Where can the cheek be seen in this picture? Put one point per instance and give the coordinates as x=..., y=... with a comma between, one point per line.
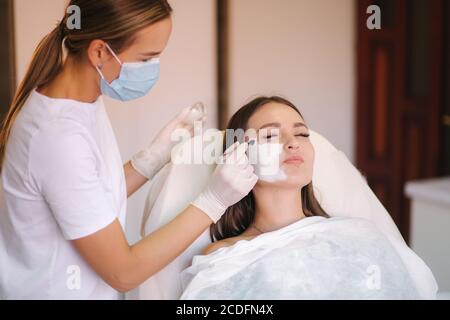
x=309, y=155
x=111, y=70
x=308, y=152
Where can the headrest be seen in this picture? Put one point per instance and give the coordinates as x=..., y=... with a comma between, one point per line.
x=338, y=185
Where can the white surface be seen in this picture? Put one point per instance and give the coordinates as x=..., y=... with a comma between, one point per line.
x=433, y=190
x=303, y=50
x=430, y=225
x=339, y=187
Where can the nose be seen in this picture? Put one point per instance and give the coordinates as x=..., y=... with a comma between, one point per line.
x=292, y=144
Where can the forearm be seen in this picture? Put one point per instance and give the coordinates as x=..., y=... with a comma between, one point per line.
x=158, y=249
x=134, y=180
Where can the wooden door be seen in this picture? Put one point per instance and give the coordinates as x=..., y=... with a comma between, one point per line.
x=7, y=61
x=446, y=116
x=400, y=98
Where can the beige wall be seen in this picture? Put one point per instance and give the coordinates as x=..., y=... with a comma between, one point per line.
x=188, y=75
x=32, y=21
x=303, y=50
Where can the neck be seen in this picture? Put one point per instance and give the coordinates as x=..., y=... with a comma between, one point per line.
x=276, y=207
x=76, y=81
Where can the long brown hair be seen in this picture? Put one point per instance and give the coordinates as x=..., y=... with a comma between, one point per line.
x=114, y=21
x=240, y=216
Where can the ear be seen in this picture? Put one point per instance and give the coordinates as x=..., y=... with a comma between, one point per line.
x=97, y=53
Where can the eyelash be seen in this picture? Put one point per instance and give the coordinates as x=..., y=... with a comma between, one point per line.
x=305, y=135
x=148, y=59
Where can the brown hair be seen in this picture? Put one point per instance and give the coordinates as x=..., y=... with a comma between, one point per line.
x=114, y=21
x=239, y=216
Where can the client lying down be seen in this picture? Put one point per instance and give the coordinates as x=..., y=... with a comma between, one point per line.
x=278, y=242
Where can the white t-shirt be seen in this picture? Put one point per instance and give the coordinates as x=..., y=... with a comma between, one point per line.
x=62, y=180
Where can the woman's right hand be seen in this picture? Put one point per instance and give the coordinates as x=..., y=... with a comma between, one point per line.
x=232, y=180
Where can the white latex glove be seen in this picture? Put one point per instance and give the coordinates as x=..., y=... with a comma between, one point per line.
x=232, y=180
x=149, y=161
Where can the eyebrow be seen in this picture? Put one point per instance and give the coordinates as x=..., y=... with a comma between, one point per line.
x=278, y=125
x=300, y=124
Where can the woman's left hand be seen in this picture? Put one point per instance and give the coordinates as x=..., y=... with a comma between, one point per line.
x=149, y=161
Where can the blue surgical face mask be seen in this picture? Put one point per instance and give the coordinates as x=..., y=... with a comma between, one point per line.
x=135, y=81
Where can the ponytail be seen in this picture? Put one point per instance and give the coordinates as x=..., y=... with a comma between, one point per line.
x=45, y=65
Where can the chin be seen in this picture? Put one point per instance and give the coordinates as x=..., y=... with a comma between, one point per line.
x=292, y=181
x=296, y=182
x=298, y=176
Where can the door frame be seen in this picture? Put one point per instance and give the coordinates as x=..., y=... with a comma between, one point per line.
x=7, y=54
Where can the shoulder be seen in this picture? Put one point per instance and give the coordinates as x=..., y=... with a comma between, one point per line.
x=224, y=243
x=44, y=113
x=62, y=127
x=217, y=245
x=64, y=140
x=61, y=134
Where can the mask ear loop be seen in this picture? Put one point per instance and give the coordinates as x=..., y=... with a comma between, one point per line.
x=99, y=70
x=100, y=66
x=114, y=54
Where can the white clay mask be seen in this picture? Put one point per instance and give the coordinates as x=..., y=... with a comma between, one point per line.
x=265, y=158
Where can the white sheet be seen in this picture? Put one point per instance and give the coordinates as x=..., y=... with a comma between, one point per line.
x=314, y=258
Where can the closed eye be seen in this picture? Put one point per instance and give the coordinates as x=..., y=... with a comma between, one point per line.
x=306, y=135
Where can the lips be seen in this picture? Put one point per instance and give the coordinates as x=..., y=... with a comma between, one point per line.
x=294, y=160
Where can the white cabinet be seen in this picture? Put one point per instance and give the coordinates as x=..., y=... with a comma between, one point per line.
x=430, y=226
